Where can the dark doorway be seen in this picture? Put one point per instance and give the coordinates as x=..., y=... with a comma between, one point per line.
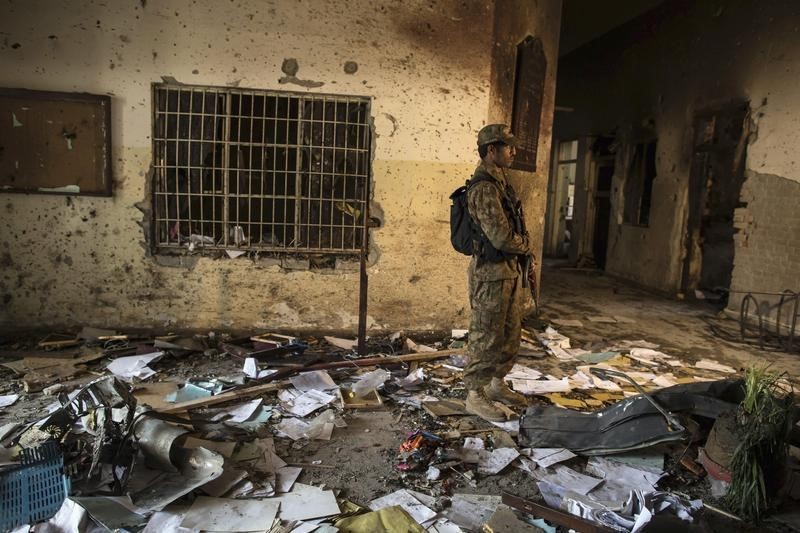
x=602, y=214
x=715, y=182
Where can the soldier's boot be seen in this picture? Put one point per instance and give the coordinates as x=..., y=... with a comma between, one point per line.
x=478, y=404
x=499, y=391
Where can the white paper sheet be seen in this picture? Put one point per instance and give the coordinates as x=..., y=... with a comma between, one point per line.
x=541, y=386
x=318, y=380
x=286, y=476
x=620, y=479
x=568, y=479
x=239, y=413
x=523, y=372
x=512, y=426
x=404, y=499
x=546, y=457
x=8, y=399
x=167, y=522
x=223, y=514
x=492, y=463
x=134, y=366
x=470, y=451
x=308, y=402
x=306, y=502
x=251, y=370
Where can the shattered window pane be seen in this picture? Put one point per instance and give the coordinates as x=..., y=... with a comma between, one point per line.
x=259, y=170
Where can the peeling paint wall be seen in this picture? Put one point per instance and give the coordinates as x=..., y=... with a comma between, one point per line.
x=679, y=59
x=82, y=261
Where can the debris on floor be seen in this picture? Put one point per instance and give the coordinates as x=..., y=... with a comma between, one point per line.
x=271, y=432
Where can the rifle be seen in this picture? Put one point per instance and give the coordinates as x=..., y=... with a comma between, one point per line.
x=527, y=263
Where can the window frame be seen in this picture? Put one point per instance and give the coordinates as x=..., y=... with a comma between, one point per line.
x=304, y=146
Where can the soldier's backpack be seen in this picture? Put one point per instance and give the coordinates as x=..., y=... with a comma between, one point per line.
x=463, y=231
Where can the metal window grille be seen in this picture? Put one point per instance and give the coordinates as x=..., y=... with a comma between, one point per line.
x=259, y=170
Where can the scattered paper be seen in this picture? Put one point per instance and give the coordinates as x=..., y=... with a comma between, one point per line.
x=708, y=364
x=223, y=514
x=165, y=521
x=239, y=413
x=308, y=402
x=620, y=479
x=459, y=333
x=511, y=426
x=286, y=476
x=494, y=462
x=188, y=392
x=318, y=380
x=471, y=511
x=541, y=386
x=8, y=399
x=134, y=366
x=252, y=371
x=306, y=502
x=665, y=380
x=523, y=372
x=568, y=479
x=546, y=457
x=470, y=451
x=412, y=506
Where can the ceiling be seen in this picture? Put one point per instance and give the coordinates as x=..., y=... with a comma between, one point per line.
x=585, y=20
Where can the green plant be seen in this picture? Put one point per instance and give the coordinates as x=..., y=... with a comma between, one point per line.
x=763, y=419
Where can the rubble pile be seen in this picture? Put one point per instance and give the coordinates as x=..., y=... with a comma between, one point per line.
x=215, y=433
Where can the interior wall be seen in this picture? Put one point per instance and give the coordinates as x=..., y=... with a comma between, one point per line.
x=76, y=260
x=662, y=68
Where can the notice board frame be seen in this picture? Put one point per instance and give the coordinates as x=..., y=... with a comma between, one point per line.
x=49, y=157
x=526, y=114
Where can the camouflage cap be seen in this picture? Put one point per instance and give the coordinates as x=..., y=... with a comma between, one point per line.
x=496, y=133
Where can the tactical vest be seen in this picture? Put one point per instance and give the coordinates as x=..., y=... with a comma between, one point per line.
x=486, y=252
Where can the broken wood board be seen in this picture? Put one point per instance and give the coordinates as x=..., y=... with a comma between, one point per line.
x=51, y=368
x=153, y=394
x=445, y=408
x=370, y=401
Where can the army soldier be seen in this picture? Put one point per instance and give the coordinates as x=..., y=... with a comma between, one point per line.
x=495, y=277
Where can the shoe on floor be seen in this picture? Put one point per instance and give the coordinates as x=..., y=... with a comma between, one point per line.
x=499, y=391
x=478, y=404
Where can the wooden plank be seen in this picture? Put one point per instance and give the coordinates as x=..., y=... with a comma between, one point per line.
x=235, y=394
x=268, y=383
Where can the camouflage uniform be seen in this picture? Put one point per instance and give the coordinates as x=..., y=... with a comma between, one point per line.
x=495, y=288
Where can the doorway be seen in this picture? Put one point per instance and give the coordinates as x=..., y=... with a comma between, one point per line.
x=715, y=183
x=561, y=199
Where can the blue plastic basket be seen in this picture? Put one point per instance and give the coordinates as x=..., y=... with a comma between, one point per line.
x=35, y=490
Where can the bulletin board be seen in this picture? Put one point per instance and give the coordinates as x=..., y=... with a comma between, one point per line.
x=55, y=143
x=528, y=97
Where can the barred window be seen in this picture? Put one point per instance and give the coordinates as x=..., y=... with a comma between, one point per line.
x=270, y=171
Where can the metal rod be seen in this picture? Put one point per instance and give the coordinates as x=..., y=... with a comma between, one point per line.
x=363, y=278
